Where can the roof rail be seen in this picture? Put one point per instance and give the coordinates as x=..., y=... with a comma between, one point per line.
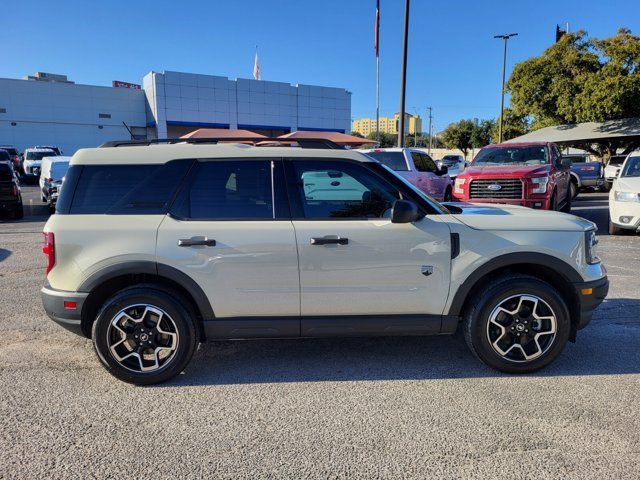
x=321, y=143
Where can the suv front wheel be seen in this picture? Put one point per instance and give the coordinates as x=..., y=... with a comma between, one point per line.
x=145, y=334
x=518, y=324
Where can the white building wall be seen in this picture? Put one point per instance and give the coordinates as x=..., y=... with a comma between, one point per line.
x=66, y=115
x=188, y=99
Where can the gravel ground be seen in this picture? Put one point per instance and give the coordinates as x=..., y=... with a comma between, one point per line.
x=381, y=407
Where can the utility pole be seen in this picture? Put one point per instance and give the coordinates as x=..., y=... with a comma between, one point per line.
x=506, y=38
x=403, y=76
x=430, y=137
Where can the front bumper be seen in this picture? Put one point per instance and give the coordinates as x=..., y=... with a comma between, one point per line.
x=630, y=210
x=53, y=302
x=590, y=296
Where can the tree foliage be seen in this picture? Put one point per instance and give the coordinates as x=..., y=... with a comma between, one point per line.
x=387, y=140
x=467, y=134
x=513, y=126
x=580, y=79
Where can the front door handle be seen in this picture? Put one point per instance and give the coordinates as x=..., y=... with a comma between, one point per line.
x=192, y=242
x=333, y=240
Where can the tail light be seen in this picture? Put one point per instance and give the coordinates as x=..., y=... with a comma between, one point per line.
x=49, y=249
x=49, y=179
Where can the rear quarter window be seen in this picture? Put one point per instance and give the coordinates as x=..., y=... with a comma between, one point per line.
x=121, y=189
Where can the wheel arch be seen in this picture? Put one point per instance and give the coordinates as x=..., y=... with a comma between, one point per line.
x=575, y=178
x=104, y=283
x=552, y=270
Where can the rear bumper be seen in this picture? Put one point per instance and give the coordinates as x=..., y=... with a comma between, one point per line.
x=53, y=302
x=588, y=302
x=592, y=182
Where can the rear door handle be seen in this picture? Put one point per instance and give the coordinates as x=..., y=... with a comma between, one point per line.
x=192, y=242
x=333, y=240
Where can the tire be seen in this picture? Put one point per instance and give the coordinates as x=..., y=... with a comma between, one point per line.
x=607, y=186
x=552, y=203
x=573, y=189
x=481, y=334
x=52, y=208
x=614, y=229
x=18, y=213
x=175, y=340
x=447, y=195
x=566, y=207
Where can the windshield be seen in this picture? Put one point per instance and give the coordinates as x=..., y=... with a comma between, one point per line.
x=59, y=170
x=4, y=155
x=617, y=160
x=436, y=206
x=393, y=160
x=533, y=155
x=40, y=155
x=10, y=151
x=631, y=168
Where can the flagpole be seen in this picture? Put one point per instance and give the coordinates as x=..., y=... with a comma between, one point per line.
x=377, y=50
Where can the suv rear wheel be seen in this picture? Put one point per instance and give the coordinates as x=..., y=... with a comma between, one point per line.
x=518, y=324
x=145, y=334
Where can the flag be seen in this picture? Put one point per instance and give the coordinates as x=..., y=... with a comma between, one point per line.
x=376, y=32
x=256, y=68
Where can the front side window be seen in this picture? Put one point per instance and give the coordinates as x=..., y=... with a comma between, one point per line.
x=337, y=189
x=227, y=190
x=423, y=162
x=631, y=168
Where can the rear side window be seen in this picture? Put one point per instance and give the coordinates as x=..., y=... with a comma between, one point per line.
x=228, y=190
x=423, y=162
x=125, y=189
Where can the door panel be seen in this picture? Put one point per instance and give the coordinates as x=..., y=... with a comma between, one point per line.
x=379, y=271
x=251, y=271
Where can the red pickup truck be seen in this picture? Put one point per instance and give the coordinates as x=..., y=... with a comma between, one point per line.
x=531, y=174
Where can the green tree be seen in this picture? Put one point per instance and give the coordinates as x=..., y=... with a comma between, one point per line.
x=357, y=134
x=387, y=140
x=513, y=126
x=459, y=135
x=579, y=79
x=482, y=131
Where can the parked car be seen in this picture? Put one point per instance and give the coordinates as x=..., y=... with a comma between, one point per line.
x=531, y=174
x=154, y=249
x=5, y=158
x=585, y=173
x=53, y=171
x=10, y=195
x=14, y=154
x=455, y=164
x=612, y=170
x=32, y=162
x=624, y=198
x=418, y=168
x=50, y=147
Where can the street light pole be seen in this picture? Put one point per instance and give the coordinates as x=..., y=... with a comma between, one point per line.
x=430, y=117
x=504, y=37
x=403, y=76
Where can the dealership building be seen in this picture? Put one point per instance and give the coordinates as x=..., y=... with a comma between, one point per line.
x=49, y=109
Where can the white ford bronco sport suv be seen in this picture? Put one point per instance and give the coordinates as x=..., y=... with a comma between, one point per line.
x=159, y=245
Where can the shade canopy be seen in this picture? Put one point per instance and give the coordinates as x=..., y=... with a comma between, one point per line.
x=335, y=137
x=222, y=133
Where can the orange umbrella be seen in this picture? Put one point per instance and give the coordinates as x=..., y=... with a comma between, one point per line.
x=335, y=137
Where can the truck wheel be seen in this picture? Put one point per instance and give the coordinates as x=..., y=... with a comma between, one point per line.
x=145, y=334
x=607, y=186
x=18, y=213
x=518, y=324
x=573, y=187
x=447, y=195
x=566, y=207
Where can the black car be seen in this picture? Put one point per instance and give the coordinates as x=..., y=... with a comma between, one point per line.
x=14, y=154
x=10, y=197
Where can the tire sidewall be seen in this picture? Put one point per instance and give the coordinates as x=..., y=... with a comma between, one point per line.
x=187, y=334
x=502, y=291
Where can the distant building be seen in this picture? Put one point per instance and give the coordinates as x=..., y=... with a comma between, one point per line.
x=365, y=126
x=49, y=109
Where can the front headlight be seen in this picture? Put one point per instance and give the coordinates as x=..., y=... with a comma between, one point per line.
x=539, y=184
x=626, y=196
x=590, y=242
x=457, y=188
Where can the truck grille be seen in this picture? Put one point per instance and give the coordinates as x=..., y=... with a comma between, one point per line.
x=509, y=188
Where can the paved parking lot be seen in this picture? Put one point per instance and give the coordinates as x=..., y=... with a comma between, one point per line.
x=381, y=407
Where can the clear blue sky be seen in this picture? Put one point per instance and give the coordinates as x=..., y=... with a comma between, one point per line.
x=454, y=62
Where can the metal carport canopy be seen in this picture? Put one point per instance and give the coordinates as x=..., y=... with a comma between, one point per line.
x=625, y=128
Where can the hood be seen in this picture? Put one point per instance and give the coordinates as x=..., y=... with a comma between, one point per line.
x=506, y=170
x=628, y=184
x=481, y=216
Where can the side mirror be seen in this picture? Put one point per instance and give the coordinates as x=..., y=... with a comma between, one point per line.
x=443, y=170
x=404, y=211
x=565, y=162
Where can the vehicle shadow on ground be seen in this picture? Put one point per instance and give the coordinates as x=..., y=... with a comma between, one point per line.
x=608, y=346
x=4, y=254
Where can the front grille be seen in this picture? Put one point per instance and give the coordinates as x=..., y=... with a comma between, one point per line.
x=509, y=188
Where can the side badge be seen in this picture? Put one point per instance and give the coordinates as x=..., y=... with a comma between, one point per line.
x=427, y=270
